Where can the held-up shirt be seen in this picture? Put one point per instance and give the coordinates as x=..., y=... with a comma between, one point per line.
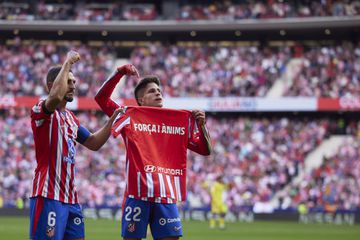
x=197, y=141
x=156, y=141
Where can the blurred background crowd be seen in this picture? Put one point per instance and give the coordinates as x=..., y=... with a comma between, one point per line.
x=180, y=10
x=217, y=71
x=261, y=156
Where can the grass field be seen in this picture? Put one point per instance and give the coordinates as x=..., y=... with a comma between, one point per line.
x=17, y=228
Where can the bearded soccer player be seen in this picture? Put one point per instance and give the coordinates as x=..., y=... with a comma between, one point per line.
x=156, y=141
x=54, y=209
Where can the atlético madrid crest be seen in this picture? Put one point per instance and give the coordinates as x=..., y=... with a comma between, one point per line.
x=50, y=231
x=131, y=227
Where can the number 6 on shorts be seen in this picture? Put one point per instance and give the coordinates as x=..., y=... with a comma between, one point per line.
x=51, y=219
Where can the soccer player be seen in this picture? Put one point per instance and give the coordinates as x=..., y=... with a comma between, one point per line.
x=54, y=209
x=218, y=206
x=156, y=142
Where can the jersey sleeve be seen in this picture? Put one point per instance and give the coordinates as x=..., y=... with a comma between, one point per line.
x=121, y=120
x=199, y=138
x=103, y=96
x=39, y=112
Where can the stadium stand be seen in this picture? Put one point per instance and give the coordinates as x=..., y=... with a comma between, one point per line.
x=24, y=65
x=184, y=10
x=262, y=151
x=217, y=71
x=333, y=185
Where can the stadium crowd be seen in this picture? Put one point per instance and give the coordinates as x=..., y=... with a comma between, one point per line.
x=235, y=10
x=217, y=71
x=24, y=65
x=77, y=11
x=327, y=71
x=260, y=156
x=331, y=71
x=334, y=185
x=183, y=10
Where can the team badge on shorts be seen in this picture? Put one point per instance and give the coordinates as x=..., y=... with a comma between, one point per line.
x=131, y=227
x=50, y=231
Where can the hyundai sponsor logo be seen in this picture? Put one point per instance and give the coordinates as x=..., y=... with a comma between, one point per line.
x=149, y=168
x=158, y=169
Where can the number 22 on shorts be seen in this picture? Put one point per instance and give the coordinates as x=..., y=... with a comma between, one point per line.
x=132, y=214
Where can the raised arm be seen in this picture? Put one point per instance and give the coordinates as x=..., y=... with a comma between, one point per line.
x=200, y=138
x=58, y=88
x=103, y=96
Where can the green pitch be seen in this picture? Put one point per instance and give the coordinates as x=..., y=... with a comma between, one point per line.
x=17, y=228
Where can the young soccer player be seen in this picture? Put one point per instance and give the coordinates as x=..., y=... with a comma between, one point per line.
x=156, y=141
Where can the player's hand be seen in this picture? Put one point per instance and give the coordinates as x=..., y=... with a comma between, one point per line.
x=128, y=69
x=116, y=113
x=72, y=57
x=199, y=116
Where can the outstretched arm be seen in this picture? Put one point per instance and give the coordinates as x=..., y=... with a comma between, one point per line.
x=102, y=97
x=200, y=138
x=59, y=87
x=96, y=140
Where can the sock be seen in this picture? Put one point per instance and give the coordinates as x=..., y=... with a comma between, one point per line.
x=222, y=222
x=212, y=223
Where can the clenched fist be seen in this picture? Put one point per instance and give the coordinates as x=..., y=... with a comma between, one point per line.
x=128, y=69
x=72, y=57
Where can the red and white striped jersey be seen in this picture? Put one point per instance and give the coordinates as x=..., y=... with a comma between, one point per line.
x=156, y=162
x=156, y=141
x=54, y=136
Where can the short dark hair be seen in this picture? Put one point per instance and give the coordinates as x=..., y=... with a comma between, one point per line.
x=52, y=73
x=143, y=83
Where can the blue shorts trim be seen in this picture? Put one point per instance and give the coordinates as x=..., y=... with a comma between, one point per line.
x=51, y=219
x=164, y=219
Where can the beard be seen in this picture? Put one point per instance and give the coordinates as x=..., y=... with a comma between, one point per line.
x=68, y=99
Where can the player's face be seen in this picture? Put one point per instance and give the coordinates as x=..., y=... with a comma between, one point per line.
x=69, y=96
x=152, y=96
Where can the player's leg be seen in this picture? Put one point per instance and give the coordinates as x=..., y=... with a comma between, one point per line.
x=222, y=221
x=222, y=216
x=135, y=219
x=212, y=221
x=47, y=219
x=214, y=216
x=148, y=232
x=75, y=227
x=165, y=222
